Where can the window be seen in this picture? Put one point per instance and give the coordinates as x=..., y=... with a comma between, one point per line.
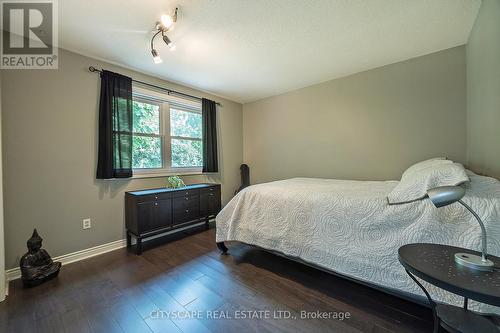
x=185, y=134
x=166, y=134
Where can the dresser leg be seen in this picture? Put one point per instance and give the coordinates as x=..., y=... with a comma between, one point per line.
x=138, y=246
x=129, y=240
x=207, y=223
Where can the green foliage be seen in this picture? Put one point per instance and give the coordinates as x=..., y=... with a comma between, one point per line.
x=146, y=152
x=185, y=124
x=147, y=149
x=146, y=118
x=186, y=153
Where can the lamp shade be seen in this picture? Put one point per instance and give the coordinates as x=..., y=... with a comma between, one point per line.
x=445, y=195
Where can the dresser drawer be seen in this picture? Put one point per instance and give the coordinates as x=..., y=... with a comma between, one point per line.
x=186, y=193
x=187, y=199
x=154, y=197
x=183, y=203
x=185, y=209
x=210, y=189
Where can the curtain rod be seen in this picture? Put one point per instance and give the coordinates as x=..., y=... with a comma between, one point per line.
x=169, y=91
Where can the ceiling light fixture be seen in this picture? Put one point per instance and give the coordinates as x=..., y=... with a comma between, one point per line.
x=166, y=23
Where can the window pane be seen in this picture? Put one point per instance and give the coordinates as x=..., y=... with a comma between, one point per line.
x=186, y=153
x=186, y=124
x=146, y=152
x=146, y=118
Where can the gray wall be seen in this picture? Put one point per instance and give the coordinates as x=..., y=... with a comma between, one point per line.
x=483, y=91
x=371, y=125
x=49, y=152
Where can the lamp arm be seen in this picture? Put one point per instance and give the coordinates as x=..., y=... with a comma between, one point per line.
x=484, y=253
x=153, y=38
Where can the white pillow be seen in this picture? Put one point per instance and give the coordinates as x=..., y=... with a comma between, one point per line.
x=425, y=164
x=415, y=184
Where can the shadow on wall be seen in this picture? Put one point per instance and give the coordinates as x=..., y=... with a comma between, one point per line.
x=111, y=188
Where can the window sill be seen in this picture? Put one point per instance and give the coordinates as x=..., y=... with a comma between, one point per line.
x=143, y=174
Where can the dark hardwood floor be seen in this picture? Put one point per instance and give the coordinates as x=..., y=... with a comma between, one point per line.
x=187, y=277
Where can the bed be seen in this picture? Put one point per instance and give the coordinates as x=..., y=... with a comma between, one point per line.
x=349, y=228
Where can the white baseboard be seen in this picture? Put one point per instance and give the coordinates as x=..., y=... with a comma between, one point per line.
x=15, y=273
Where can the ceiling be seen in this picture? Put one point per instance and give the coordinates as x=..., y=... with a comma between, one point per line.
x=246, y=50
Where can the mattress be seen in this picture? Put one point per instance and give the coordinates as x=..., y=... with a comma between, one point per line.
x=348, y=227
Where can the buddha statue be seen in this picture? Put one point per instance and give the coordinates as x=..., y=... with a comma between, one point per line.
x=36, y=265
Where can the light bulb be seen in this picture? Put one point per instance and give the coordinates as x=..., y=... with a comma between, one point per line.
x=157, y=60
x=156, y=57
x=167, y=21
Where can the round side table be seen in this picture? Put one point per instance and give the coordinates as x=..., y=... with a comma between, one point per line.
x=436, y=265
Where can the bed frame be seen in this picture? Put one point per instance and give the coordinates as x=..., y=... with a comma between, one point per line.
x=421, y=300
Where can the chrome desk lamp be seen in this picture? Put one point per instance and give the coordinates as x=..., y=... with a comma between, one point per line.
x=446, y=195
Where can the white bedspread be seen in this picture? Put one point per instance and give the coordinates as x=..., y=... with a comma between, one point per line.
x=348, y=226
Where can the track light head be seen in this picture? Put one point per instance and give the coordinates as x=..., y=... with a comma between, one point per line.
x=156, y=57
x=167, y=40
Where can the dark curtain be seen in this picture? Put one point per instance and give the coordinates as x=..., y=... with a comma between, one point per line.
x=209, y=130
x=115, y=127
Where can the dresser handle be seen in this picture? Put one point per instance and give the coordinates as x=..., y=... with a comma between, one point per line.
x=187, y=210
x=156, y=197
x=211, y=194
x=156, y=204
x=187, y=198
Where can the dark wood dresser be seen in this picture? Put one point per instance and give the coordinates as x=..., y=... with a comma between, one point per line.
x=152, y=212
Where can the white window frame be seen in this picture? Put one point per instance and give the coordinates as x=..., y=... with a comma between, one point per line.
x=164, y=100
